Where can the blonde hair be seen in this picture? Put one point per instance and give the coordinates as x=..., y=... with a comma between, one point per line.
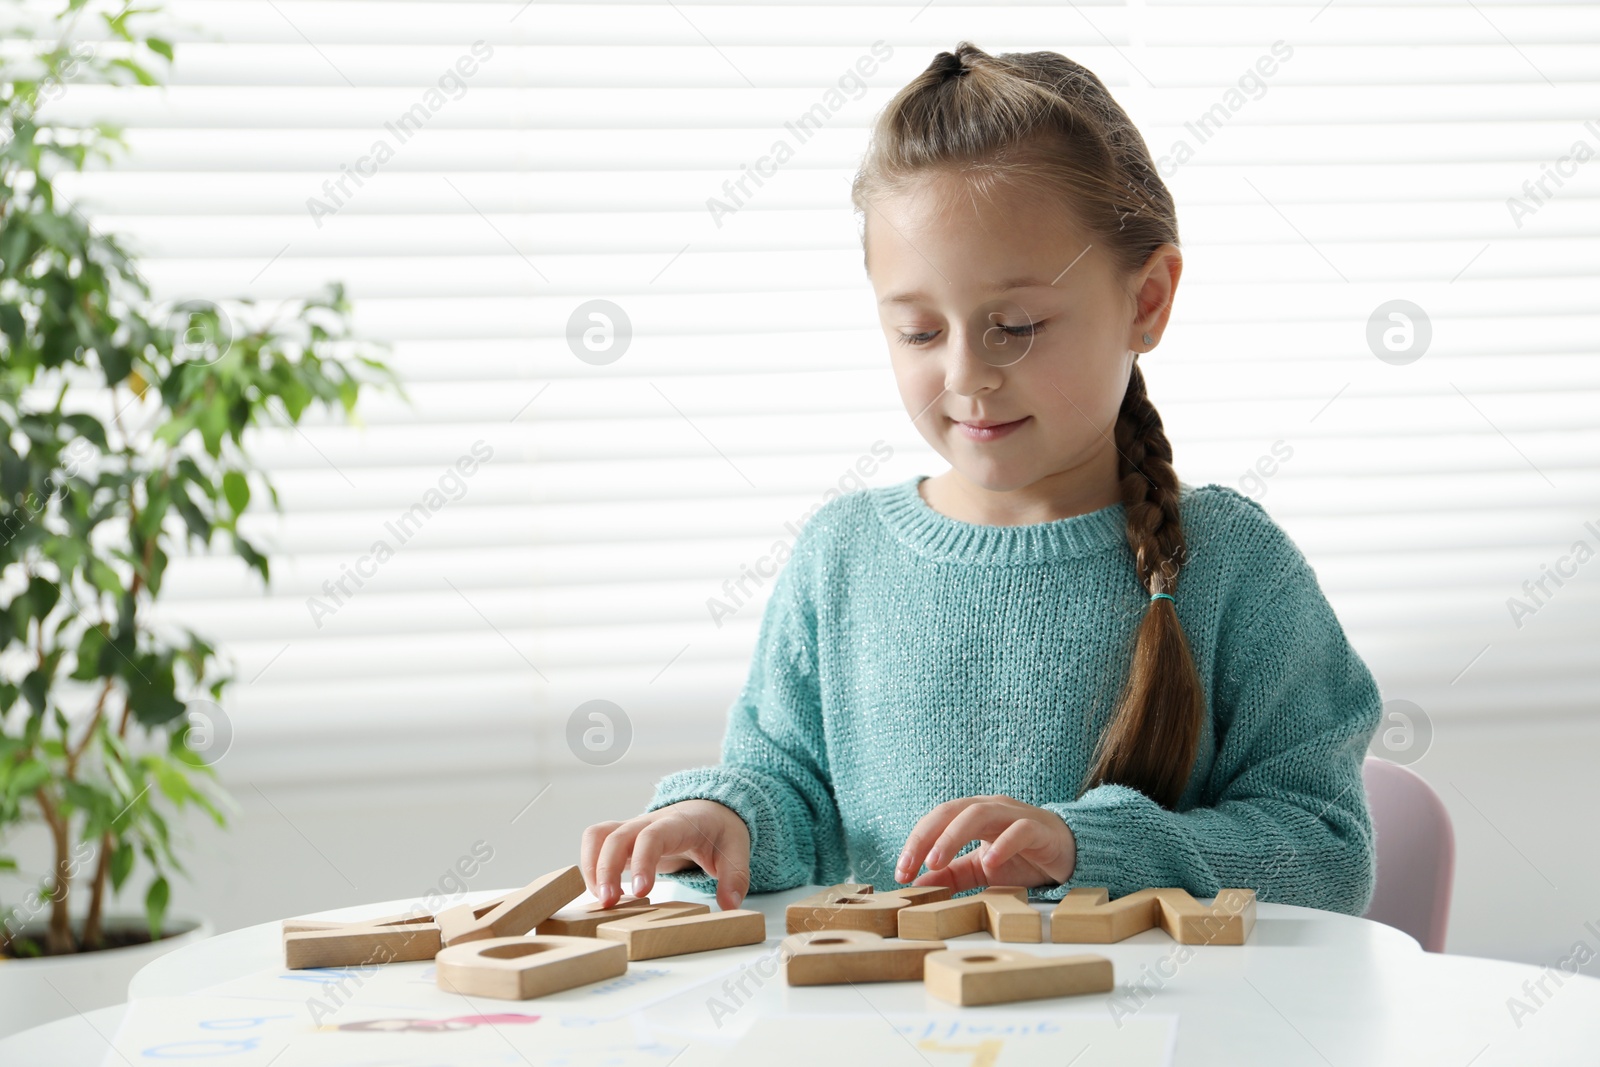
x=1040, y=123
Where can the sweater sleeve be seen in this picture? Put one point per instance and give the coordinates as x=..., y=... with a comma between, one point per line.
x=1286, y=809
x=774, y=771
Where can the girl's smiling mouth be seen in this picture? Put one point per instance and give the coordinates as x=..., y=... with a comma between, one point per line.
x=986, y=430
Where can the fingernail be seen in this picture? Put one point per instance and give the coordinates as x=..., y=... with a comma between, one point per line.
x=638, y=885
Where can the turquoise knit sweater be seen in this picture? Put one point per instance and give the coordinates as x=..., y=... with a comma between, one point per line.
x=906, y=658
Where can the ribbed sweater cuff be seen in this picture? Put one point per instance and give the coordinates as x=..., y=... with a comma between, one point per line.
x=1100, y=824
x=738, y=790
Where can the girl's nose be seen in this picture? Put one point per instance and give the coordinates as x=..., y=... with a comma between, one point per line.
x=972, y=365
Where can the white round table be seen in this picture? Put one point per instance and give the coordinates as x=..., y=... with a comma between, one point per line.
x=1310, y=987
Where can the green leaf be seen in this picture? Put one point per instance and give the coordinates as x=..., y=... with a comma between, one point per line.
x=159, y=47
x=27, y=777
x=104, y=578
x=153, y=704
x=89, y=428
x=121, y=864
x=237, y=490
x=35, y=690
x=252, y=558
x=193, y=518
x=90, y=648
x=13, y=325
x=144, y=77
x=213, y=422
x=43, y=595
x=158, y=567
x=173, y=784
x=155, y=906
x=115, y=362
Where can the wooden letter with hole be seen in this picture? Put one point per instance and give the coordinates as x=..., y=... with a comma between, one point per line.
x=1003, y=910
x=834, y=957
x=514, y=914
x=677, y=927
x=1087, y=916
x=1000, y=975
x=854, y=906
x=392, y=939
x=517, y=968
x=582, y=922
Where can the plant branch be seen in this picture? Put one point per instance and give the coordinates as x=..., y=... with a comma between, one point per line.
x=92, y=936
x=58, y=940
x=74, y=755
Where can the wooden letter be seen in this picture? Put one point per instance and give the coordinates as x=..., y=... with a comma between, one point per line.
x=832, y=957
x=854, y=906
x=1228, y=920
x=396, y=939
x=677, y=927
x=1003, y=910
x=515, y=913
x=582, y=922
x=300, y=926
x=1085, y=915
x=998, y=976
x=517, y=968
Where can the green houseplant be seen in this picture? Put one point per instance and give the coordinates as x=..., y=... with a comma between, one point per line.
x=122, y=444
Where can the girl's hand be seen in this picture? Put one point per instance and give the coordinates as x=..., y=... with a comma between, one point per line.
x=685, y=834
x=1019, y=844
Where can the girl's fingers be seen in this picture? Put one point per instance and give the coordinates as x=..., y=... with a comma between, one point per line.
x=1014, y=839
x=681, y=835
x=733, y=882
x=593, y=837
x=926, y=831
x=649, y=844
x=614, y=858
x=963, y=873
x=981, y=820
x=722, y=856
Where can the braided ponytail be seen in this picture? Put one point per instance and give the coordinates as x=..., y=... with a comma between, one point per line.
x=1151, y=739
x=1040, y=121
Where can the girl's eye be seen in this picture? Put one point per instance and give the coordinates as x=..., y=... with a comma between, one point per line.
x=1026, y=330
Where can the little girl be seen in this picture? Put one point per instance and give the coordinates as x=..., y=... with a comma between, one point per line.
x=1056, y=651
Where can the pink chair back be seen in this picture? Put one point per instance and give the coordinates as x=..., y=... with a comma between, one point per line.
x=1416, y=848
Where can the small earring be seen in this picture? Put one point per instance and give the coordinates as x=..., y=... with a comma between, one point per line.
x=1149, y=340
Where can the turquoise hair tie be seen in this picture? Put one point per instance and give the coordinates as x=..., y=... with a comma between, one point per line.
x=1169, y=596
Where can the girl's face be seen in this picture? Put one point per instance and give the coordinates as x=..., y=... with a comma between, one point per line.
x=1010, y=337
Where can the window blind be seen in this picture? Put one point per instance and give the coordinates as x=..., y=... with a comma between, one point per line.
x=479, y=173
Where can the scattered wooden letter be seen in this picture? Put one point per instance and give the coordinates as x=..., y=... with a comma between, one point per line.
x=832, y=957
x=514, y=914
x=582, y=922
x=393, y=939
x=517, y=968
x=854, y=906
x=677, y=927
x=1003, y=910
x=1086, y=915
x=998, y=976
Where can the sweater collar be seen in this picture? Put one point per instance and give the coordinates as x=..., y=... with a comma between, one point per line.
x=939, y=537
